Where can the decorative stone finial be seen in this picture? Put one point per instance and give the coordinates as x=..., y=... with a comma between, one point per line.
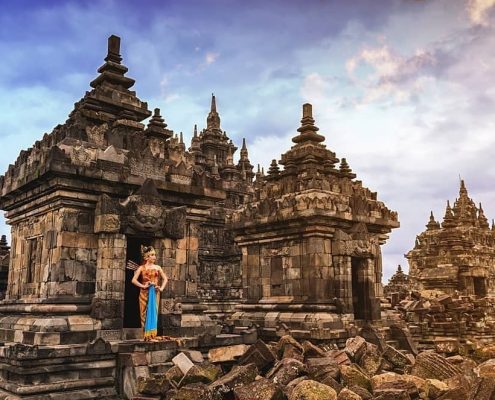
x=213, y=119
x=482, y=220
x=432, y=223
x=308, y=129
x=156, y=126
x=244, y=152
x=274, y=169
x=213, y=107
x=113, y=53
x=345, y=170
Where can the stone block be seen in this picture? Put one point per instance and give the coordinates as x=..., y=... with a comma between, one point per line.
x=194, y=355
x=259, y=389
x=259, y=354
x=228, y=353
x=180, y=256
x=183, y=362
x=308, y=389
x=133, y=359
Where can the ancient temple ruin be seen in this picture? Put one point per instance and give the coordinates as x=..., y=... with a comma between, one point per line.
x=458, y=254
x=310, y=242
x=83, y=199
x=297, y=250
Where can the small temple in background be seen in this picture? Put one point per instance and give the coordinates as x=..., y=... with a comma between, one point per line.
x=458, y=254
x=398, y=287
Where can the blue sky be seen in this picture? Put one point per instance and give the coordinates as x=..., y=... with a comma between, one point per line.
x=405, y=90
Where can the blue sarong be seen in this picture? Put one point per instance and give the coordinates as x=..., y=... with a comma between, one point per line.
x=151, y=322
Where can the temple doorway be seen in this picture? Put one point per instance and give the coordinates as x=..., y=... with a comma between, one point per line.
x=361, y=301
x=131, y=294
x=479, y=286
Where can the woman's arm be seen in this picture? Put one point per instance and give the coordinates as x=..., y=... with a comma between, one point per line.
x=164, y=279
x=135, y=278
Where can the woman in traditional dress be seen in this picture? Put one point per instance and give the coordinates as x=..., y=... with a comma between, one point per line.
x=149, y=296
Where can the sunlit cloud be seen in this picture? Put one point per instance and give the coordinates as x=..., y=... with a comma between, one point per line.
x=479, y=11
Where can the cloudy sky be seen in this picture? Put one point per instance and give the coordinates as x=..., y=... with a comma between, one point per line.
x=404, y=89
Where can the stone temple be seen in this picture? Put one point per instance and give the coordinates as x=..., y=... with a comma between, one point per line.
x=457, y=255
x=296, y=250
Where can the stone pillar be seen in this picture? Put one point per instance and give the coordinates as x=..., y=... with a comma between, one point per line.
x=343, y=282
x=108, y=302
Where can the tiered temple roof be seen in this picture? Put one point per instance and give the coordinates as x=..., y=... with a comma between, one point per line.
x=457, y=254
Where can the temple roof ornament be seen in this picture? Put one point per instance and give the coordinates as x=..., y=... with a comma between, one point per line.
x=213, y=119
x=156, y=126
x=345, y=170
x=308, y=129
x=432, y=223
x=448, y=219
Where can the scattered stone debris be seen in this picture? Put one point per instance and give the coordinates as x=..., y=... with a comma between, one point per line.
x=289, y=370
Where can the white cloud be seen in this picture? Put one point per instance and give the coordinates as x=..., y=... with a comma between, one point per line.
x=385, y=75
x=478, y=11
x=314, y=87
x=210, y=58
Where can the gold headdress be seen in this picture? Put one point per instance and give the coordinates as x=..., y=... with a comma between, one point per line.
x=145, y=250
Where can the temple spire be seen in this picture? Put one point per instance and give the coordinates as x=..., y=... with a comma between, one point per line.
x=432, y=223
x=448, y=219
x=113, y=52
x=308, y=129
x=274, y=170
x=345, y=170
x=156, y=126
x=213, y=107
x=112, y=71
x=244, y=151
x=482, y=220
x=213, y=119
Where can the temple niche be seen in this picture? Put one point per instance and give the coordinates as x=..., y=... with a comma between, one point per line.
x=310, y=242
x=457, y=255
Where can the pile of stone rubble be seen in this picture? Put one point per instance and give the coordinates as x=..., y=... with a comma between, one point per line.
x=289, y=370
x=449, y=321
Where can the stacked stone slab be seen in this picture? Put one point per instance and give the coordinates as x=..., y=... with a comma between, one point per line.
x=457, y=255
x=310, y=243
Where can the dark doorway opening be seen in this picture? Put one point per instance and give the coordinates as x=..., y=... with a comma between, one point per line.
x=276, y=277
x=479, y=285
x=361, y=301
x=131, y=294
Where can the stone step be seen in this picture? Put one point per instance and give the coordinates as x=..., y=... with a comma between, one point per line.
x=132, y=333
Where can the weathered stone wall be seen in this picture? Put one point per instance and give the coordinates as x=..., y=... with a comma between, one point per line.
x=179, y=259
x=301, y=269
x=53, y=256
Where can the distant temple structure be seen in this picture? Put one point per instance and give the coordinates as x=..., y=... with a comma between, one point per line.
x=458, y=254
x=310, y=242
x=297, y=249
x=398, y=286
